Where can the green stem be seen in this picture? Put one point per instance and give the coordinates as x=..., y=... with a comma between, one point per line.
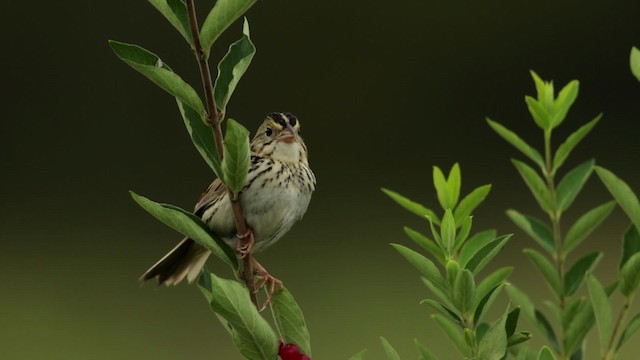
x=611, y=348
x=213, y=119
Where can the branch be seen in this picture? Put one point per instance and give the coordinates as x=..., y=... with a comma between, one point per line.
x=245, y=235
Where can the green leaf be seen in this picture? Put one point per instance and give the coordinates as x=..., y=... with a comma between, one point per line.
x=470, y=203
x=630, y=244
x=444, y=310
x=189, y=225
x=290, y=320
x=533, y=316
x=513, y=139
x=518, y=338
x=578, y=327
x=150, y=65
x=359, y=356
x=632, y=328
x=491, y=281
x=425, y=243
x=586, y=224
x=486, y=253
x=546, y=354
x=574, y=139
x=575, y=275
x=535, y=228
x=453, y=333
x=572, y=183
x=425, y=354
x=232, y=66
x=464, y=291
x=202, y=137
x=538, y=112
x=452, y=268
x=223, y=14
x=602, y=310
x=424, y=265
x=392, y=354
x=493, y=345
x=237, y=153
x=535, y=184
x=563, y=102
x=442, y=190
x=176, y=12
x=477, y=242
x=454, y=182
x=464, y=233
x=630, y=275
x=412, y=206
x=448, y=232
x=547, y=270
x=251, y=333
x=441, y=292
x=622, y=193
x=634, y=61
x=512, y=322
x=486, y=301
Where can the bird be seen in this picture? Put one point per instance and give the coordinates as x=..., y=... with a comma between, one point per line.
x=276, y=195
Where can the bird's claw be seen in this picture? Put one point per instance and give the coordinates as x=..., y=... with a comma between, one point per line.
x=245, y=243
x=266, y=278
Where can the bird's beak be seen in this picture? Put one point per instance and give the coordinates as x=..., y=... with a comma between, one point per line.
x=287, y=135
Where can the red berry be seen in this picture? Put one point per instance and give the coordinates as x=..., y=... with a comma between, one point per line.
x=304, y=357
x=289, y=352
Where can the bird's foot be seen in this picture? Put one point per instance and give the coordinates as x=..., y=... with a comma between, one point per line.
x=245, y=243
x=266, y=278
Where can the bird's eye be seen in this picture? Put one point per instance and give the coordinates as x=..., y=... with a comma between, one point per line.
x=269, y=131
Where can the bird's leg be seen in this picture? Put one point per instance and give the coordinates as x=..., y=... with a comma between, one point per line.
x=266, y=278
x=245, y=243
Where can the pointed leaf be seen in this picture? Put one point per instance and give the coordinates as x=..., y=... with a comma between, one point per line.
x=578, y=327
x=575, y=275
x=572, y=183
x=150, y=65
x=533, y=316
x=535, y=184
x=563, y=102
x=491, y=281
x=425, y=243
x=189, y=225
x=586, y=224
x=453, y=332
x=546, y=354
x=442, y=189
x=630, y=244
x=512, y=322
x=622, y=193
x=359, y=356
x=223, y=14
x=202, y=137
x=602, y=310
x=290, y=321
x=392, y=354
x=538, y=112
x=470, y=203
x=235, y=164
x=176, y=12
x=412, y=206
x=574, y=139
x=485, y=302
x=444, y=310
x=251, y=333
x=426, y=266
x=464, y=291
x=518, y=338
x=493, y=345
x=535, y=228
x=632, y=327
x=463, y=234
x=634, y=61
x=425, y=354
x=547, y=270
x=448, y=232
x=232, y=66
x=486, y=254
x=441, y=292
x=454, y=182
x=630, y=275
x=513, y=139
x=477, y=242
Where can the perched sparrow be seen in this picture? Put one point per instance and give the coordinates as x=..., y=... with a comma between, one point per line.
x=276, y=195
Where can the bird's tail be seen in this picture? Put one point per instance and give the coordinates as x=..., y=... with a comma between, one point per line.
x=185, y=260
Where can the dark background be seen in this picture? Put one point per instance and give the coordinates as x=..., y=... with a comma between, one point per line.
x=385, y=90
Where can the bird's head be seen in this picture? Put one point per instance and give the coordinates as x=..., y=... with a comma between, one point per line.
x=279, y=138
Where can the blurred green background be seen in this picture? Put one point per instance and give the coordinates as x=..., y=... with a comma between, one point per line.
x=385, y=90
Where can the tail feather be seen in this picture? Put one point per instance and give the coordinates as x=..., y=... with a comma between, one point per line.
x=186, y=260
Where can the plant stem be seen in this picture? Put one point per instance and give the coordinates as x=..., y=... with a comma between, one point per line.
x=611, y=353
x=213, y=119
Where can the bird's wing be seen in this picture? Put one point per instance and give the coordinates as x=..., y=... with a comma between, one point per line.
x=213, y=192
